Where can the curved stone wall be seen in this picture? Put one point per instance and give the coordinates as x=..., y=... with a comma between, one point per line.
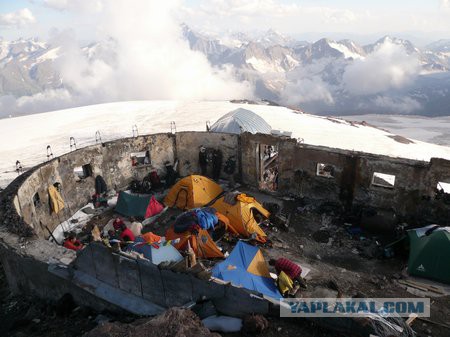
x=35, y=265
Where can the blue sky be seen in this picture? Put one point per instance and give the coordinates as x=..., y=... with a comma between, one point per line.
x=424, y=19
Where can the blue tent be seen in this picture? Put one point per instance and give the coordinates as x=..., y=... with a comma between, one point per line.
x=157, y=252
x=246, y=267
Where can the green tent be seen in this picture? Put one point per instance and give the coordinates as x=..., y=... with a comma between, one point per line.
x=129, y=204
x=429, y=255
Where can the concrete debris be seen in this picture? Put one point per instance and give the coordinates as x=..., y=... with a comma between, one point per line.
x=175, y=322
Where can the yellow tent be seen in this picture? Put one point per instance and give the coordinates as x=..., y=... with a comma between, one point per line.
x=241, y=215
x=191, y=192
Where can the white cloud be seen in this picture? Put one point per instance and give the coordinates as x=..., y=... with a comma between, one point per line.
x=43, y=101
x=445, y=4
x=18, y=18
x=304, y=90
x=401, y=105
x=271, y=8
x=263, y=14
x=78, y=5
x=388, y=67
x=305, y=85
x=148, y=59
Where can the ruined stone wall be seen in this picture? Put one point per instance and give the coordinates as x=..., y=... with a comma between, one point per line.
x=412, y=195
x=28, y=262
x=188, y=145
x=111, y=160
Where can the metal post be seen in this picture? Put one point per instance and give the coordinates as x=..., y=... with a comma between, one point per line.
x=134, y=129
x=98, y=137
x=73, y=143
x=19, y=168
x=173, y=127
x=49, y=153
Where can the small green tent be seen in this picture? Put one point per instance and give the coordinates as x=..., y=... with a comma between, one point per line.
x=131, y=204
x=429, y=255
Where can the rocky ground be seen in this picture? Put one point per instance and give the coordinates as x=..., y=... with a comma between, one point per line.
x=341, y=263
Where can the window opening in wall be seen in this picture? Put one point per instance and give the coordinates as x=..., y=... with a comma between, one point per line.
x=57, y=185
x=82, y=172
x=36, y=200
x=443, y=191
x=325, y=170
x=268, y=166
x=443, y=187
x=383, y=180
x=140, y=158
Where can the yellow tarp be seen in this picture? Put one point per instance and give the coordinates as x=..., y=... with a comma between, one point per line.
x=285, y=284
x=241, y=216
x=56, y=201
x=191, y=192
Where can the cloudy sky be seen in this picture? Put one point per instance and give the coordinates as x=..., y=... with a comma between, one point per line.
x=307, y=19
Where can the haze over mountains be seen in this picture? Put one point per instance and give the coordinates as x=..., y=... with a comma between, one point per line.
x=389, y=76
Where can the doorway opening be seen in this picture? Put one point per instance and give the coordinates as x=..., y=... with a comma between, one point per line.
x=267, y=163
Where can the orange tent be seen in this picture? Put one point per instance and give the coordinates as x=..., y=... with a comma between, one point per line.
x=228, y=227
x=201, y=243
x=192, y=191
x=241, y=215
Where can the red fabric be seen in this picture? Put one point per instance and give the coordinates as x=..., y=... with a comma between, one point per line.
x=153, y=208
x=76, y=245
x=127, y=235
x=118, y=223
x=290, y=268
x=150, y=237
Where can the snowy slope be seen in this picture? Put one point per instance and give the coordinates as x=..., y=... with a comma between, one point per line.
x=26, y=138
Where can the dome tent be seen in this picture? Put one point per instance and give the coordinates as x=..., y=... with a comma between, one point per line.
x=192, y=191
x=429, y=254
x=239, y=121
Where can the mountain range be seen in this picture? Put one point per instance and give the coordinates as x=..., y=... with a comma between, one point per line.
x=389, y=76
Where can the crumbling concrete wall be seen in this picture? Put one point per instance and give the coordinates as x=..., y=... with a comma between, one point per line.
x=413, y=194
x=188, y=146
x=111, y=160
x=104, y=280
x=250, y=155
x=28, y=264
x=163, y=287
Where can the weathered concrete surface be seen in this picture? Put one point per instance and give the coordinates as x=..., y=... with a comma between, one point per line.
x=188, y=146
x=98, y=269
x=111, y=160
x=351, y=186
x=413, y=195
x=27, y=261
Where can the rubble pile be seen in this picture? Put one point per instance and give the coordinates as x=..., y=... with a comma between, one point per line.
x=175, y=322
